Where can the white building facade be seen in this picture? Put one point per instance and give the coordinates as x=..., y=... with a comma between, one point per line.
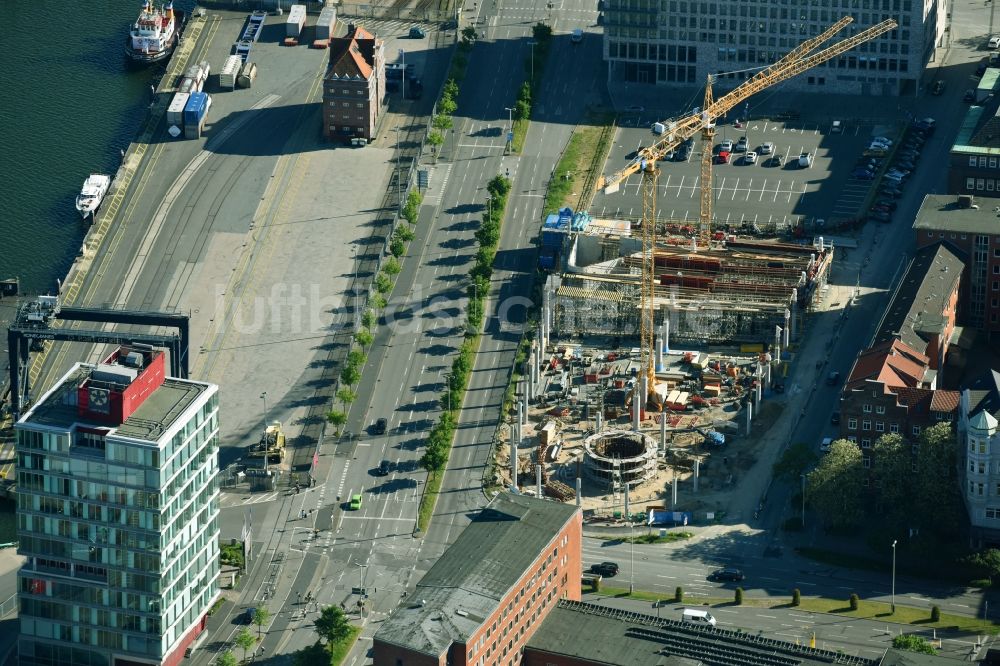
x=979, y=438
x=117, y=515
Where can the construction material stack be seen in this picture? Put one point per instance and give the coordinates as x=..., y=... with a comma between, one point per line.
x=195, y=114
x=175, y=112
x=294, y=24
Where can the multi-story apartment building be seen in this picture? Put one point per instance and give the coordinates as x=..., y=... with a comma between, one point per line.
x=490, y=591
x=979, y=452
x=681, y=42
x=974, y=231
x=891, y=390
x=354, y=94
x=117, y=509
x=974, y=159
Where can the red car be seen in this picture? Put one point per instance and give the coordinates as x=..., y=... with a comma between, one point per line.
x=722, y=157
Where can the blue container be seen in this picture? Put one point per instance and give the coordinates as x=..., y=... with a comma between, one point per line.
x=552, y=238
x=547, y=259
x=551, y=222
x=196, y=108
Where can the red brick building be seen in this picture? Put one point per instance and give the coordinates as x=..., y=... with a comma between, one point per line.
x=489, y=592
x=354, y=95
x=891, y=390
x=974, y=231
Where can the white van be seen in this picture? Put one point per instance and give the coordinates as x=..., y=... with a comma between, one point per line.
x=695, y=616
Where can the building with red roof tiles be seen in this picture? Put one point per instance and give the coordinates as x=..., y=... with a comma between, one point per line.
x=354, y=95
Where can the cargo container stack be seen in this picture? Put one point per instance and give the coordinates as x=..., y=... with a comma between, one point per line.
x=326, y=27
x=230, y=70
x=294, y=24
x=195, y=114
x=175, y=112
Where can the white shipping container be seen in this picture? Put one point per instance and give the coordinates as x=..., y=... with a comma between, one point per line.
x=175, y=112
x=326, y=25
x=230, y=69
x=296, y=19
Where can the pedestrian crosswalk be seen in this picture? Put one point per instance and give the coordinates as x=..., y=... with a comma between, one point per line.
x=438, y=182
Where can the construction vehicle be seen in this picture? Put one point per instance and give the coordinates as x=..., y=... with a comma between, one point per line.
x=271, y=445
x=703, y=121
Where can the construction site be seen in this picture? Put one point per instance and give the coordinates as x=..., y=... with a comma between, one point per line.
x=661, y=344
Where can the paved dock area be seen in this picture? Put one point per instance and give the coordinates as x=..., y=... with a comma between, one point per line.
x=254, y=229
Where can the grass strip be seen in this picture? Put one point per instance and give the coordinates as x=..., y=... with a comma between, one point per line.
x=428, y=500
x=342, y=648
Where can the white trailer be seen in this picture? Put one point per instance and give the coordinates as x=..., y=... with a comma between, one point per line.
x=175, y=112
x=326, y=24
x=295, y=21
x=230, y=70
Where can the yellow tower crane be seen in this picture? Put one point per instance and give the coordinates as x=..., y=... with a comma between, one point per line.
x=795, y=62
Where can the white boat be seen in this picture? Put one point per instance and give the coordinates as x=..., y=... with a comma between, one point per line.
x=154, y=34
x=90, y=197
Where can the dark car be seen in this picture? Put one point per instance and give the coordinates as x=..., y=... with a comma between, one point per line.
x=380, y=426
x=969, y=96
x=833, y=378
x=981, y=68
x=776, y=161
x=889, y=192
x=383, y=468
x=937, y=87
x=886, y=203
x=861, y=173
x=449, y=25
x=729, y=574
x=835, y=418
x=608, y=569
x=417, y=33
x=880, y=215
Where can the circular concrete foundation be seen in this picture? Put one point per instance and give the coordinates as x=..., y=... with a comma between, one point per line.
x=620, y=456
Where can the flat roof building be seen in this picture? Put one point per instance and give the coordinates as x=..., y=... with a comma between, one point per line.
x=488, y=593
x=117, y=515
x=681, y=42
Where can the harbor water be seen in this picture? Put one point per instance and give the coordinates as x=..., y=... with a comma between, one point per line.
x=69, y=104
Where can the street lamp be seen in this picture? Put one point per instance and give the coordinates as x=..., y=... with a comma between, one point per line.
x=893, y=606
x=803, y=500
x=510, y=124
x=447, y=379
x=361, y=601
x=631, y=565
x=263, y=396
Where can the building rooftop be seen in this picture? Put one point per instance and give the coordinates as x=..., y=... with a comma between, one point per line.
x=894, y=363
x=604, y=635
x=352, y=56
x=915, y=314
x=984, y=394
x=467, y=582
x=58, y=408
x=943, y=213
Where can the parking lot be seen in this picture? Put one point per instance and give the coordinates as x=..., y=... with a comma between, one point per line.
x=771, y=196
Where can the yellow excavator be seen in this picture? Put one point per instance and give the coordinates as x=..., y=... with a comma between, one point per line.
x=271, y=444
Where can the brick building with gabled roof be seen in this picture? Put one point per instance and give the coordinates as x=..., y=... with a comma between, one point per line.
x=891, y=389
x=354, y=95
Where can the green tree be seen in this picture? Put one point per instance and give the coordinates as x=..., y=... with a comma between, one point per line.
x=913, y=643
x=411, y=209
x=935, y=613
x=383, y=283
x=314, y=655
x=364, y=337
x=835, y=488
x=894, y=470
x=368, y=318
x=356, y=358
x=541, y=32
x=350, y=375
x=987, y=562
x=404, y=233
x=679, y=594
x=378, y=301
x=435, y=138
x=346, y=396
x=441, y=122
x=796, y=597
x=391, y=266
x=499, y=186
x=738, y=596
x=337, y=418
x=450, y=89
x=332, y=625
x=245, y=640
x=854, y=601
x=261, y=615
x=434, y=458
x=795, y=460
x=469, y=35
x=938, y=504
x=448, y=105
x=488, y=233
x=522, y=109
x=227, y=658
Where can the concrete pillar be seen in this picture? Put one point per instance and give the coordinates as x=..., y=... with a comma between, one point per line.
x=520, y=417
x=636, y=407
x=673, y=489
x=579, y=491
x=749, y=416
x=627, y=507
x=697, y=469
x=513, y=459
x=768, y=374
x=789, y=317
x=666, y=333
x=760, y=389
x=599, y=421
x=663, y=434
x=538, y=481
x=778, y=346
x=660, y=367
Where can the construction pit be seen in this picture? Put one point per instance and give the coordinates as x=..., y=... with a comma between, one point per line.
x=580, y=424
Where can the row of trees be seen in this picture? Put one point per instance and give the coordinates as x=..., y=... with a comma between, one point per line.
x=446, y=107
x=910, y=489
x=488, y=237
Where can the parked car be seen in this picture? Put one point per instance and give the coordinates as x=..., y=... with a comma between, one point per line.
x=777, y=161
x=880, y=215
x=766, y=148
x=729, y=574
x=726, y=146
x=937, y=88
x=741, y=145
x=835, y=418
x=416, y=32
x=722, y=157
x=881, y=207
x=750, y=158
x=926, y=125
x=805, y=160
x=886, y=203
x=981, y=68
x=994, y=42
x=905, y=164
x=608, y=569
x=824, y=446
x=883, y=139
x=887, y=190
x=833, y=378
x=862, y=173
x=969, y=96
